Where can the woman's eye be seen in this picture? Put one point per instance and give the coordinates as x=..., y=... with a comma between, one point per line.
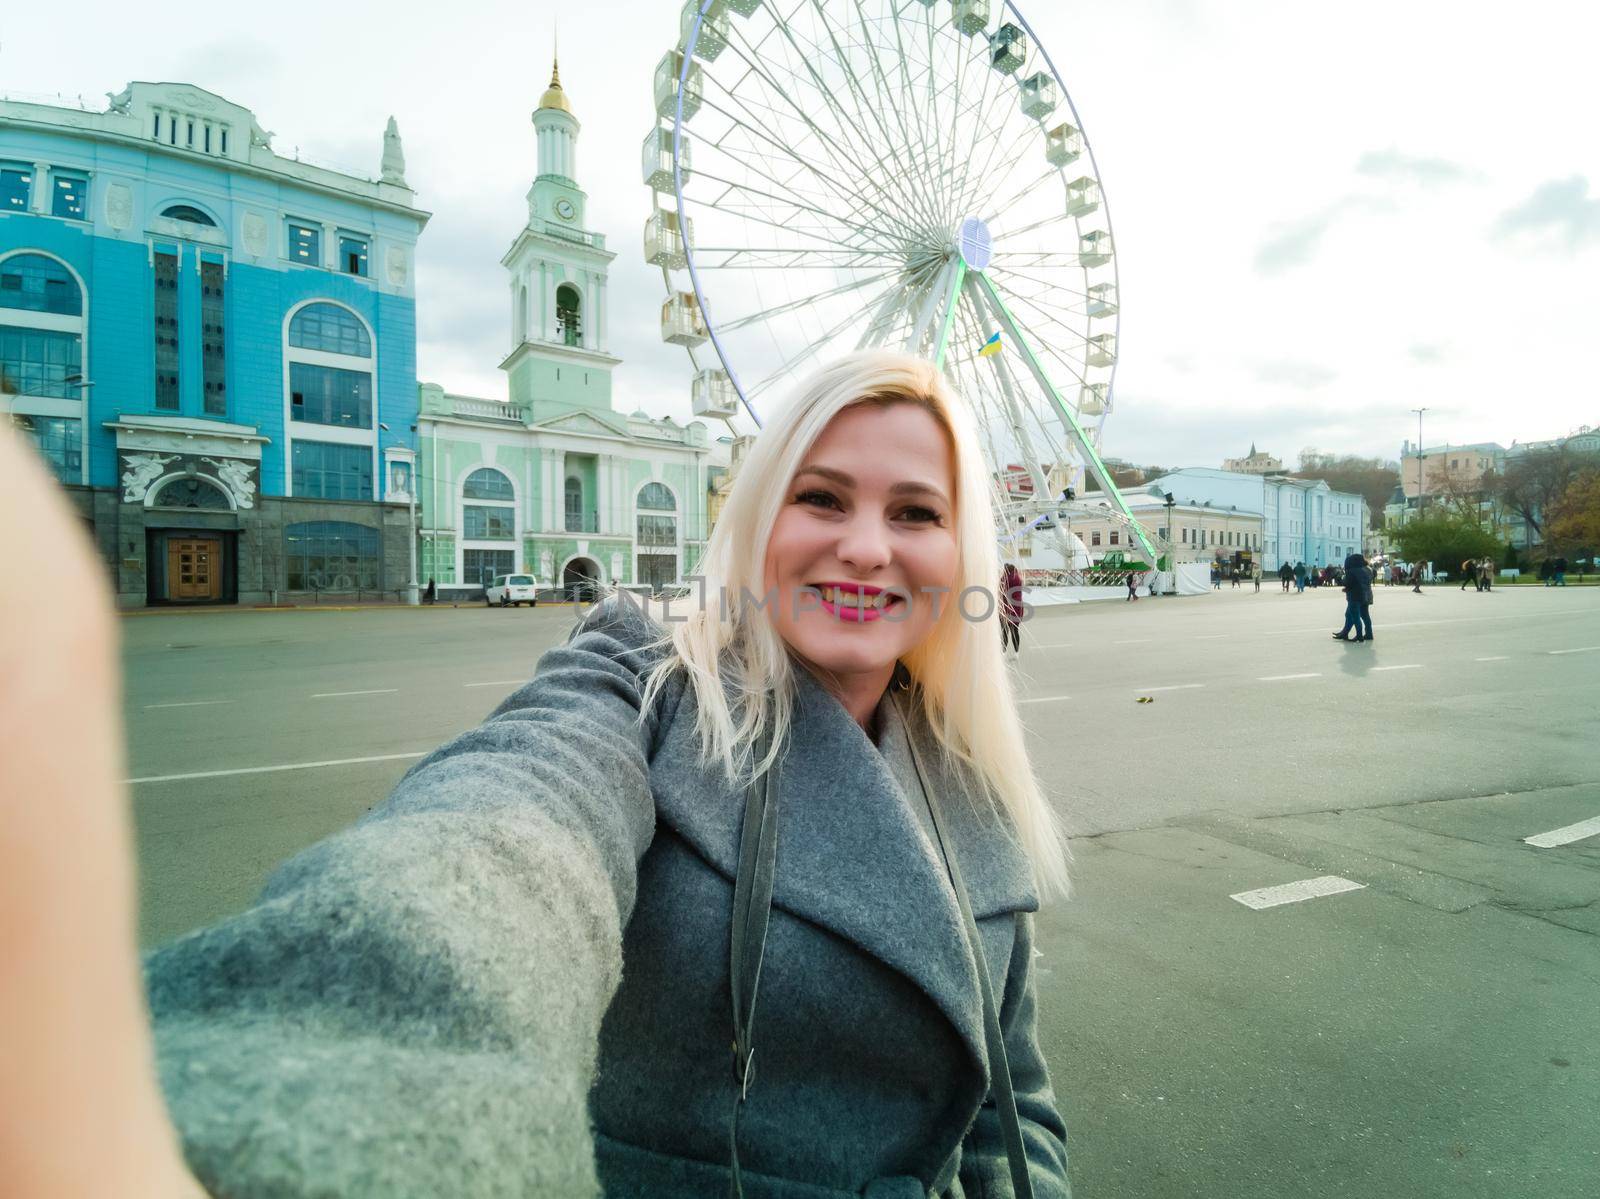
x=820, y=499
x=921, y=515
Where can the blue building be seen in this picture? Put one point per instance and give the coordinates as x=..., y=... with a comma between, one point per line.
x=1302, y=520
x=213, y=346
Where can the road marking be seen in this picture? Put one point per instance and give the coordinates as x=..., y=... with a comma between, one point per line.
x=1212, y=636
x=498, y=683
x=192, y=703
x=1278, y=678
x=1565, y=836
x=1043, y=699
x=218, y=774
x=1407, y=666
x=341, y=694
x=1496, y=658
x=1306, y=888
x=1174, y=687
x=1134, y=641
x=1582, y=649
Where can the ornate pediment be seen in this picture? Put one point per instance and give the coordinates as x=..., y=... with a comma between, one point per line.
x=580, y=424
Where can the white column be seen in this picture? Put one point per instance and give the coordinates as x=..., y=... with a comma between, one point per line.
x=544, y=302
x=330, y=245
x=548, y=461
x=602, y=499
x=600, y=315
x=41, y=187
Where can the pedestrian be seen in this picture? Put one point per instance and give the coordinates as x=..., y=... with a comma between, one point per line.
x=1486, y=575
x=1559, y=572
x=1011, y=607
x=1545, y=572
x=432, y=594
x=1299, y=578
x=1416, y=577
x=512, y=976
x=1216, y=577
x=1469, y=574
x=1133, y=586
x=1255, y=574
x=1233, y=576
x=1358, y=600
x=1285, y=576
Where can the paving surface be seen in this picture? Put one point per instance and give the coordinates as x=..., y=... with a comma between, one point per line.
x=1427, y=1031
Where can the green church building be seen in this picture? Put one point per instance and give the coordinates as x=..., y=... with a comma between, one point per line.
x=553, y=482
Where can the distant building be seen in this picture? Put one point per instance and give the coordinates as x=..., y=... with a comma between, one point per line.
x=213, y=345
x=554, y=482
x=1253, y=464
x=1302, y=520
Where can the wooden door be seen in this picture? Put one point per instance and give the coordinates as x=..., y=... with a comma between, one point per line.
x=194, y=569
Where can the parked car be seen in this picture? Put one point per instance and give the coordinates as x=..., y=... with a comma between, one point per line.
x=510, y=590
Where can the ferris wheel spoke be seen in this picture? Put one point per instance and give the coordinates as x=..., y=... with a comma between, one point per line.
x=1028, y=132
x=1036, y=258
x=1045, y=346
x=788, y=201
x=812, y=349
x=793, y=258
x=737, y=42
x=838, y=188
x=842, y=289
x=978, y=111
x=999, y=208
x=1046, y=287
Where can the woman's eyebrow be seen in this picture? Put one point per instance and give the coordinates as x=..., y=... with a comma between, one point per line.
x=845, y=480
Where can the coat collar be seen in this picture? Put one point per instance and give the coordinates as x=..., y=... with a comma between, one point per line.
x=854, y=856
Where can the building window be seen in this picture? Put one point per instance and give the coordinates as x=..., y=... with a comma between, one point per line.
x=35, y=283
x=353, y=254
x=188, y=213
x=487, y=484
x=569, y=322
x=39, y=362
x=326, y=395
x=331, y=555
x=1184, y=538
x=224, y=141
x=574, y=504
x=658, y=516
x=69, y=196
x=331, y=329
x=328, y=471
x=479, y=566
x=1095, y=536
x=305, y=244
x=213, y=339
x=16, y=182
x=166, y=330
x=1113, y=537
x=60, y=441
x=481, y=523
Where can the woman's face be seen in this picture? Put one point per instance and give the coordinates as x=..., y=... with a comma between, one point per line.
x=869, y=522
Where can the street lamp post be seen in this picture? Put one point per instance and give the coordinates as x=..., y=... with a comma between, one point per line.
x=1172, y=541
x=1422, y=484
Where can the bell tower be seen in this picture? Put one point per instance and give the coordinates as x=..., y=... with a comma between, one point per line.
x=559, y=327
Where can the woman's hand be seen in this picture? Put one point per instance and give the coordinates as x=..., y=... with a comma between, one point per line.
x=80, y=1112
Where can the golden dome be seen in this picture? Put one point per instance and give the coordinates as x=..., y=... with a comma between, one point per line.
x=554, y=97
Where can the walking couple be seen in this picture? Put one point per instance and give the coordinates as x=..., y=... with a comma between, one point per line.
x=1358, y=600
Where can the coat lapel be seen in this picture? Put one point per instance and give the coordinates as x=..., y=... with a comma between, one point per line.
x=853, y=856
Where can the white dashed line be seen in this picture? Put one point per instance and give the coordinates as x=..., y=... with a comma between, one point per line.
x=218, y=774
x=1582, y=649
x=498, y=683
x=192, y=703
x=1212, y=636
x=1565, y=836
x=1135, y=641
x=1306, y=888
x=1496, y=658
x=1043, y=699
x=1407, y=666
x=342, y=694
x=1279, y=678
x=1174, y=687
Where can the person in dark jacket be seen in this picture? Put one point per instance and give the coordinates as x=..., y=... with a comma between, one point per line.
x=1285, y=576
x=512, y=976
x=1545, y=572
x=1011, y=607
x=1358, y=600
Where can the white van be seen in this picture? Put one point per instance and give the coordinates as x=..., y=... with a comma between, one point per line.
x=510, y=590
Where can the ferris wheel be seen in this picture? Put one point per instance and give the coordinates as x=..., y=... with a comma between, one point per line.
x=829, y=175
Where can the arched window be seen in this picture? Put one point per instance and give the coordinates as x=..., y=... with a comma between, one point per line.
x=331, y=329
x=332, y=417
x=658, y=497
x=520, y=334
x=656, y=540
x=190, y=493
x=488, y=526
x=34, y=283
x=42, y=329
x=569, y=314
x=488, y=484
x=331, y=555
x=189, y=213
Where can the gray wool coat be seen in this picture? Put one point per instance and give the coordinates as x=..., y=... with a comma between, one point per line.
x=511, y=977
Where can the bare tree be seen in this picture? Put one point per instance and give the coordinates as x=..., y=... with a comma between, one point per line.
x=1372, y=478
x=1533, y=482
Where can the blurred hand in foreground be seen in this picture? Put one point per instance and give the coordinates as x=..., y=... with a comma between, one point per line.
x=80, y=1111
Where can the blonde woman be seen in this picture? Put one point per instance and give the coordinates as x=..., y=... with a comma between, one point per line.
x=693, y=911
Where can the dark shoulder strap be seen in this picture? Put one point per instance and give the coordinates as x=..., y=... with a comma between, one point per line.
x=1005, y=1100
x=752, y=911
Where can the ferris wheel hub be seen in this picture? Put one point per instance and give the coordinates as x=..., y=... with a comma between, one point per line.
x=975, y=244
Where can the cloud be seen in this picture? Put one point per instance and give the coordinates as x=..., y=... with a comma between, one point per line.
x=1291, y=373
x=1391, y=164
x=1426, y=354
x=1294, y=244
x=1559, y=210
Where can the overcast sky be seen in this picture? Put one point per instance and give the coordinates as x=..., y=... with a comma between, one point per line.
x=1326, y=215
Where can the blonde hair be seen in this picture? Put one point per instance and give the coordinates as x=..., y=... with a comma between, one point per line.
x=727, y=652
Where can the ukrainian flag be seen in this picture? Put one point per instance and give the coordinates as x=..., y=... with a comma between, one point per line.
x=992, y=346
